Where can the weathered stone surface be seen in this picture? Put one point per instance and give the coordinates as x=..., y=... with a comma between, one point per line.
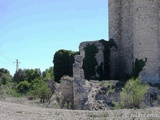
x=134, y=26
x=81, y=91
x=152, y=97
x=52, y=85
x=99, y=56
x=103, y=94
x=67, y=92
x=78, y=72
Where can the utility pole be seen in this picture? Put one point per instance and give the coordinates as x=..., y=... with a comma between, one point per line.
x=17, y=64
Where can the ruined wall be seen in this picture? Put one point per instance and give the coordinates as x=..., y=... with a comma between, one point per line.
x=80, y=85
x=78, y=72
x=99, y=56
x=67, y=95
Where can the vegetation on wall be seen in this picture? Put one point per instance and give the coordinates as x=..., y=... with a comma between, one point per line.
x=107, y=45
x=63, y=61
x=90, y=62
x=138, y=66
x=100, y=71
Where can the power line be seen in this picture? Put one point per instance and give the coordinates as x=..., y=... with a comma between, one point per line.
x=17, y=65
x=5, y=56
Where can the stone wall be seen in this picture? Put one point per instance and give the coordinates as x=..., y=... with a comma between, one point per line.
x=80, y=85
x=115, y=15
x=78, y=72
x=146, y=37
x=67, y=95
x=120, y=29
x=134, y=26
x=99, y=56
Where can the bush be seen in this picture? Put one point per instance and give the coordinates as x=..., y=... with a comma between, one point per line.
x=23, y=87
x=133, y=93
x=41, y=90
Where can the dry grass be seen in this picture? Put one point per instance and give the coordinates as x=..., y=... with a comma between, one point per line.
x=22, y=109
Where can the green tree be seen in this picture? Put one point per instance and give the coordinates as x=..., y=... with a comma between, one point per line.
x=48, y=73
x=19, y=76
x=41, y=90
x=5, y=76
x=63, y=61
x=26, y=74
x=23, y=87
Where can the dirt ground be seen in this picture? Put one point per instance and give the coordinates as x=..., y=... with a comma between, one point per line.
x=19, y=111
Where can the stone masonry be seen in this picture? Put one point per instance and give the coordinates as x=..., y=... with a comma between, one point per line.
x=80, y=85
x=134, y=25
x=99, y=56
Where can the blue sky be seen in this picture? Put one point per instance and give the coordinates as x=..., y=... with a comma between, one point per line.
x=33, y=30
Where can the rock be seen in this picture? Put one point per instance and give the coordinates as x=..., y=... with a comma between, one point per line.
x=81, y=91
x=78, y=72
x=67, y=92
x=51, y=84
x=152, y=97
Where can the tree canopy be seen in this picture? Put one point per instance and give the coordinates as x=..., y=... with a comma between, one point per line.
x=63, y=61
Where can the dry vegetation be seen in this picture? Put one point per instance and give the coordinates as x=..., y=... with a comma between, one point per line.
x=22, y=109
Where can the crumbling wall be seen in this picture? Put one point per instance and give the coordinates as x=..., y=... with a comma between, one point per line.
x=67, y=98
x=77, y=67
x=99, y=55
x=80, y=85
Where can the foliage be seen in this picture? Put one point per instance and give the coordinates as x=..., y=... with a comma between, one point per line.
x=138, y=67
x=133, y=93
x=90, y=62
x=26, y=74
x=48, y=73
x=23, y=87
x=5, y=76
x=25, y=82
x=107, y=45
x=63, y=61
x=41, y=90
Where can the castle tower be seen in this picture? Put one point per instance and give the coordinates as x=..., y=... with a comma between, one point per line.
x=120, y=29
x=134, y=26
x=146, y=37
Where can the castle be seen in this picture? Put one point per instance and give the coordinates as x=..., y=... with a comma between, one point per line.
x=135, y=27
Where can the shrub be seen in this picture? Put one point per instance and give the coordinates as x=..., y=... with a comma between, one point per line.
x=133, y=93
x=41, y=90
x=23, y=87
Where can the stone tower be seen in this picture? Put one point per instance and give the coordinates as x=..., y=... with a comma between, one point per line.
x=135, y=27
